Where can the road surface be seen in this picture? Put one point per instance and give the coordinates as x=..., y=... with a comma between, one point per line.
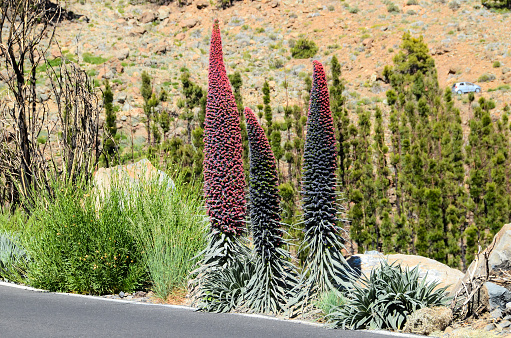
x=27, y=313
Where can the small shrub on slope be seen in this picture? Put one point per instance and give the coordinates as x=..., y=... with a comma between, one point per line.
x=304, y=49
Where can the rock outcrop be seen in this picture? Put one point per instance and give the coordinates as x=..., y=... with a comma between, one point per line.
x=428, y=268
x=487, y=283
x=427, y=320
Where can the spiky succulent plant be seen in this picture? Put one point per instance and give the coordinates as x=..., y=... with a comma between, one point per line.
x=274, y=277
x=224, y=181
x=325, y=266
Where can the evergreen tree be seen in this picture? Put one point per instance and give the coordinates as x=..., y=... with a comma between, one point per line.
x=267, y=108
x=109, y=144
x=147, y=90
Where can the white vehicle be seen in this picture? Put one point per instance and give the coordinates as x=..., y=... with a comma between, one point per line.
x=465, y=87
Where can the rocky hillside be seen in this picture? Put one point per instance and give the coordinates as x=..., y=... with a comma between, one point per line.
x=118, y=41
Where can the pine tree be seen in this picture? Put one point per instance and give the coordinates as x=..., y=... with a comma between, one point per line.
x=147, y=90
x=109, y=145
x=267, y=108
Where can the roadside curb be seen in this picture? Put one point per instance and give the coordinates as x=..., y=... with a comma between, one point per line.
x=190, y=308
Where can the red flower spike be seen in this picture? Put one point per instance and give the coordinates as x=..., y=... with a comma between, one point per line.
x=224, y=180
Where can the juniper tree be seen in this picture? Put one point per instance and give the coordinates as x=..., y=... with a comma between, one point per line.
x=267, y=108
x=147, y=90
x=109, y=145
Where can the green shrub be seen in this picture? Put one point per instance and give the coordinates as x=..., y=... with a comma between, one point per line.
x=496, y=64
x=392, y=8
x=454, y=5
x=329, y=301
x=353, y=10
x=486, y=77
x=385, y=298
x=304, y=49
x=412, y=2
x=95, y=60
x=82, y=243
x=169, y=226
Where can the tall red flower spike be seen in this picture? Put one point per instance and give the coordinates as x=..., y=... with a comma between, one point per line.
x=224, y=179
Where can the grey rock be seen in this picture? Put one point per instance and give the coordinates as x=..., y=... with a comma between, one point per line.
x=163, y=13
x=313, y=15
x=147, y=17
x=122, y=54
x=499, y=296
x=505, y=323
x=121, y=294
x=202, y=4
x=508, y=317
x=417, y=24
x=496, y=314
x=508, y=307
x=489, y=327
x=123, y=118
x=189, y=23
x=121, y=97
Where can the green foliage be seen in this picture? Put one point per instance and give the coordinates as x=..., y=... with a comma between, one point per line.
x=109, y=144
x=82, y=243
x=486, y=77
x=169, y=226
x=385, y=298
x=95, y=60
x=304, y=49
x=496, y=64
x=497, y=4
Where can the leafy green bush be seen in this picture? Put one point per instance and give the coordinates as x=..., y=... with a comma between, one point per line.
x=496, y=64
x=412, y=2
x=82, y=243
x=329, y=301
x=385, y=298
x=304, y=49
x=95, y=60
x=486, y=77
x=392, y=8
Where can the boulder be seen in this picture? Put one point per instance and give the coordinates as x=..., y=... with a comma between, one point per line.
x=163, y=12
x=122, y=54
x=147, y=17
x=129, y=177
x=490, y=274
x=498, y=296
x=189, y=23
x=428, y=268
x=427, y=320
x=202, y=4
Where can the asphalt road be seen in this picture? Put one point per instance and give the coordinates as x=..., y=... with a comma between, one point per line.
x=26, y=313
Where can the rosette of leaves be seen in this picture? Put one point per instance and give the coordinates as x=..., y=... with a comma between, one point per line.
x=13, y=259
x=325, y=267
x=224, y=179
x=385, y=298
x=274, y=276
